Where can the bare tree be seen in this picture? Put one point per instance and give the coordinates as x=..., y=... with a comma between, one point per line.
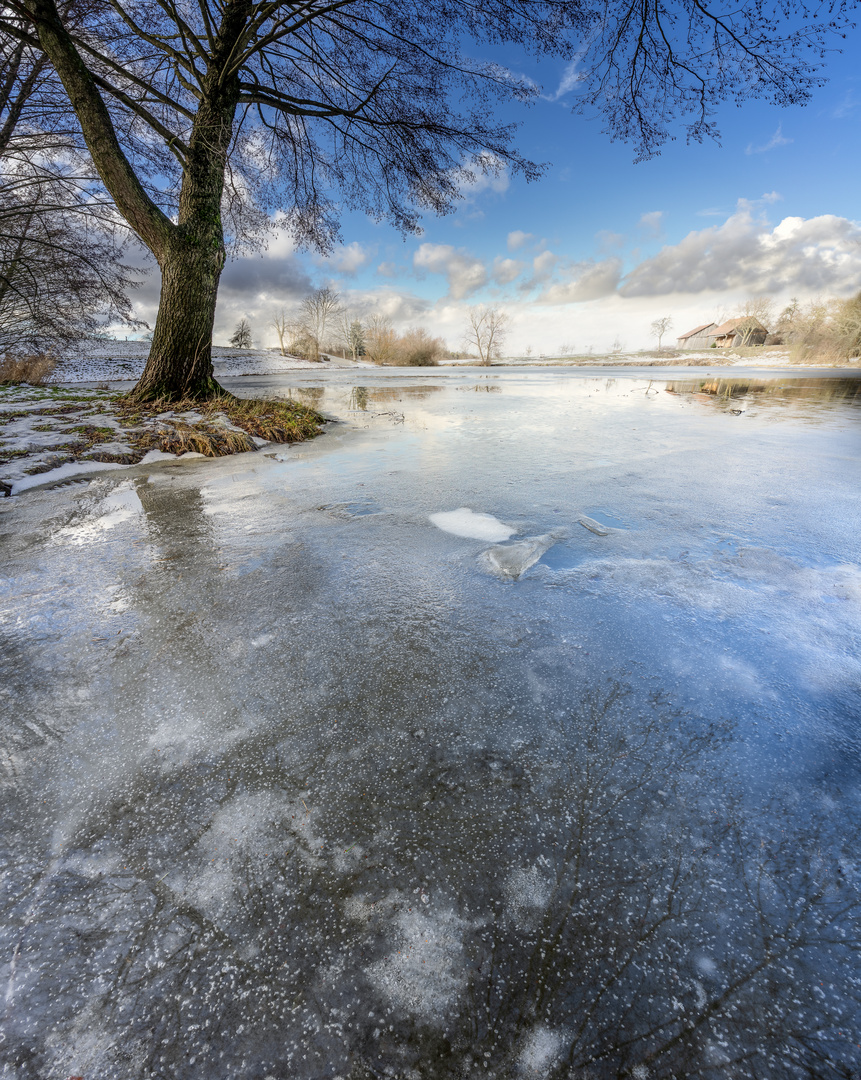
x=281, y=324
x=351, y=331
x=486, y=332
x=242, y=335
x=566, y=349
x=660, y=327
x=318, y=313
x=758, y=312
x=212, y=112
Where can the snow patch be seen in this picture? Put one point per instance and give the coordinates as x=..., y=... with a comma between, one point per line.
x=70, y=471
x=472, y=525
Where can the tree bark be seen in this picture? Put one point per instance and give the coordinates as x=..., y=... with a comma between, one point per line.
x=180, y=358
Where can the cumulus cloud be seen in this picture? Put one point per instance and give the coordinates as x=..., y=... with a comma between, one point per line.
x=518, y=239
x=346, y=259
x=585, y=281
x=464, y=272
x=777, y=139
x=506, y=270
x=812, y=255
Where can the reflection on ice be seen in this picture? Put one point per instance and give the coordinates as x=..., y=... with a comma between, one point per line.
x=293, y=789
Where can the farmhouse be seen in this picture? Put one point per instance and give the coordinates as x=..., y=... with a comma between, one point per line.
x=698, y=338
x=743, y=331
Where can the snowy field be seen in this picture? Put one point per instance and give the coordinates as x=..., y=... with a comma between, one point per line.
x=510, y=729
x=113, y=361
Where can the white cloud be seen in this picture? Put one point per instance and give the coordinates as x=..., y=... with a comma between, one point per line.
x=585, y=281
x=490, y=175
x=506, y=270
x=571, y=76
x=650, y=224
x=465, y=272
x=812, y=255
x=777, y=139
x=771, y=197
x=518, y=239
x=346, y=259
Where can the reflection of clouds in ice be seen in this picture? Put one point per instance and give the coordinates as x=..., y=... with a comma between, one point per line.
x=809, y=607
x=121, y=505
x=427, y=972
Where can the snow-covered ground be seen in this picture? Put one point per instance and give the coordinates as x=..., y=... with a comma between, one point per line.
x=110, y=361
x=510, y=729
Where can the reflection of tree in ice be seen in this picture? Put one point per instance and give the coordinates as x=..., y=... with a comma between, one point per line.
x=591, y=905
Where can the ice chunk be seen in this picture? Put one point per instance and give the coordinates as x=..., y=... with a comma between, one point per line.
x=509, y=561
x=475, y=526
x=594, y=526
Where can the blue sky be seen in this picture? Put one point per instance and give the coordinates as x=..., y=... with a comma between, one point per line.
x=600, y=247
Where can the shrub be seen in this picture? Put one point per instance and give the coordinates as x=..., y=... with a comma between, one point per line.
x=416, y=348
x=34, y=368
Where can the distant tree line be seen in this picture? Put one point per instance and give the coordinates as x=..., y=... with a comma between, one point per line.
x=322, y=324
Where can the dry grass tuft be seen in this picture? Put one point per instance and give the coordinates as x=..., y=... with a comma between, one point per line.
x=275, y=421
x=206, y=439
x=33, y=369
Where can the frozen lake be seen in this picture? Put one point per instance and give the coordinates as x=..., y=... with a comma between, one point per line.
x=511, y=729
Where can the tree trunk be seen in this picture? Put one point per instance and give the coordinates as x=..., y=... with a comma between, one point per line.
x=180, y=358
x=191, y=252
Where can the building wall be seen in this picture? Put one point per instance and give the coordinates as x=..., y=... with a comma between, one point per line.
x=697, y=341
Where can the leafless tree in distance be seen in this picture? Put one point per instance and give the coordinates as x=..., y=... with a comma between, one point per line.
x=486, y=331
x=660, y=327
x=319, y=311
x=61, y=269
x=242, y=338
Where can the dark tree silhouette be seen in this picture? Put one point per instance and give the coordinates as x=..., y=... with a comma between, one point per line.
x=242, y=335
x=201, y=110
x=60, y=252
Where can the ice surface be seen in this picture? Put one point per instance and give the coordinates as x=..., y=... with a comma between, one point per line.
x=291, y=788
x=73, y=470
x=471, y=524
